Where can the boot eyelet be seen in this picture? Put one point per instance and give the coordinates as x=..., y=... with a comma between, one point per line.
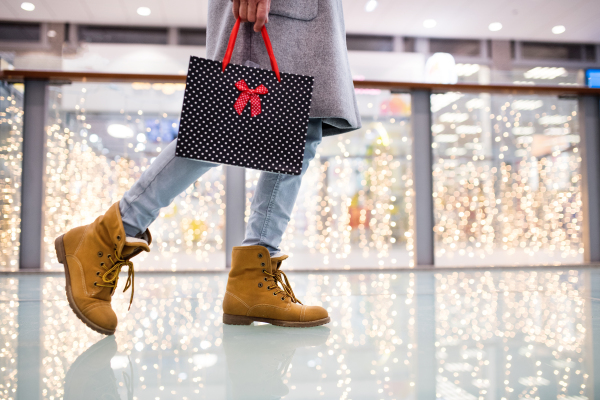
x=97, y=273
x=260, y=255
x=95, y=284
x=264, y=271
x=260, y=284
x=102, y=264
x=266, y=279
x=100, y=254
x=262, y=264
x=108, y=256
x=118, y=237
x=283, y=298
x=274, y=294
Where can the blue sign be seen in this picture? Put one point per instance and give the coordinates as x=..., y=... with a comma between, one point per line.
x=592, y=78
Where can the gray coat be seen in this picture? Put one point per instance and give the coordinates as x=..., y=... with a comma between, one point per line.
x=308, y=38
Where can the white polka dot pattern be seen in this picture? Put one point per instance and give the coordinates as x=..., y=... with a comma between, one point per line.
x=215, y=128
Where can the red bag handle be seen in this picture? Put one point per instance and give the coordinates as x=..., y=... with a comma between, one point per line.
x=231, y=45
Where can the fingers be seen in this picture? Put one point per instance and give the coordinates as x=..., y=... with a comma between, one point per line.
x=262, y=16
x=252, y=10
x=243, y=10
x=236, y=8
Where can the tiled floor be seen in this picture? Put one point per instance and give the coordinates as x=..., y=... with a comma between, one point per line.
x=466, y=334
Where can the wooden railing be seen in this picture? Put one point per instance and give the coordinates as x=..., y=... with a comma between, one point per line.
x=65, y=77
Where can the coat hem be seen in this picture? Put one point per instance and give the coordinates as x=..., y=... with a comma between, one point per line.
x=336, y=126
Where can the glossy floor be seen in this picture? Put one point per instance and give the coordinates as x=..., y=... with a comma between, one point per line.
x=467, y=334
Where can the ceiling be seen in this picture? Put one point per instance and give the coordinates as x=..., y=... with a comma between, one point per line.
x=521, y=19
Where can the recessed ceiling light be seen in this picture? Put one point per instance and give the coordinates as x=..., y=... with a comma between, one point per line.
x=545, y=73
x=371, y=5
x=27, y=6
x=119, y=131
x=495, y=26
x=144, y=11
x=429, y=23
x=557, y=30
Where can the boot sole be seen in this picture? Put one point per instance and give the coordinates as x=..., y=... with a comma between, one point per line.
x=62, y=258
x=230, y=319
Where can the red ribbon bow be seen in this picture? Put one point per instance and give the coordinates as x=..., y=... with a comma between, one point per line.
x=249, y=95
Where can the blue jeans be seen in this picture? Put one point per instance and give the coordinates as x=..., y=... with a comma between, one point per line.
x=168, y=176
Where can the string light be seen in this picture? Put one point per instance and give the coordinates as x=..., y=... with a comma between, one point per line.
x=84, y=182
x=512, y=191
x=494, y=192
x=355, y=203
x=11, y=141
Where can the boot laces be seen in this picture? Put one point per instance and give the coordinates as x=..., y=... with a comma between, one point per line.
x=111, y=276
x=286, y=287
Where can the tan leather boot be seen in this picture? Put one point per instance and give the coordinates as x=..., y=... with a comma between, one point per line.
x=257, y=290
x=93, y=256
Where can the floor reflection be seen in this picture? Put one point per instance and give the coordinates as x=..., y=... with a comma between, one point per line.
x=499, y=334
x=258, y=358
x=91, y=375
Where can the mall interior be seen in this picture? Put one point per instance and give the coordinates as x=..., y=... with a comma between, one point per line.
x=454, y=239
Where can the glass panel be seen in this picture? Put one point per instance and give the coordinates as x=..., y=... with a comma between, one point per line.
x=543, y=76
x=354, y=209
x=506, y=179
x=539, y=76
x=11, y=153
x=91, y=169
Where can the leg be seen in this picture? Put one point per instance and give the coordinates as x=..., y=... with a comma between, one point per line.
x=275, y=197
x=166, y=177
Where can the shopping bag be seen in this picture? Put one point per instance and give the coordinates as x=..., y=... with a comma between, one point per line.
x=245, y=116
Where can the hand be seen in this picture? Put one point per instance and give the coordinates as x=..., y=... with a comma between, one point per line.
x=256, y=11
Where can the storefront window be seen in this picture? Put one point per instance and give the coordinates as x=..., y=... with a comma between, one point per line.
x=101, y=137
x=11, y=156
x=506, y=178
x=355, y=204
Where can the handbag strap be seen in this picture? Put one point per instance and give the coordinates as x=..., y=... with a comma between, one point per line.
x=231, y=45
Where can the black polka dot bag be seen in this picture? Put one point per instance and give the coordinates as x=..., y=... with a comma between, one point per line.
x=244, y=116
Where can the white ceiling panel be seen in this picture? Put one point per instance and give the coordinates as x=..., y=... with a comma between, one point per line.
x=65, y=9
x=41, y=12
x=157, y=17
x=6, y=11
x=190, y=13
x=104, y=12
x=521, y=19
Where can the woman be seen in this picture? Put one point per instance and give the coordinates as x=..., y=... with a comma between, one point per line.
x=308, y=38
